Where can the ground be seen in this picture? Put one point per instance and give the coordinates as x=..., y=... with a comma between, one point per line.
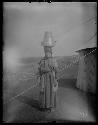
x=72, y=105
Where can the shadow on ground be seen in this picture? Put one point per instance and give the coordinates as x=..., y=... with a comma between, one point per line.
x=68, y=83
x=30, y=102
x=29, y=111
x=91, y=99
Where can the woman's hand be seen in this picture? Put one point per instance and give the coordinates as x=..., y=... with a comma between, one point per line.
x=42, y=90
x=55, y=87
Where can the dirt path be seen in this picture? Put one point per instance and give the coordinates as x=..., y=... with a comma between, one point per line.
x=71, y=105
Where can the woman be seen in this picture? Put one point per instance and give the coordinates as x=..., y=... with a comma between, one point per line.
x=48, y=80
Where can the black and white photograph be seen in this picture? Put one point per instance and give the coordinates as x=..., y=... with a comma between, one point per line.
x=49, y=62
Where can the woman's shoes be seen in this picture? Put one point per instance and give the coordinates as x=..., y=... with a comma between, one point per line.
x=52, y=109
x=47, y=109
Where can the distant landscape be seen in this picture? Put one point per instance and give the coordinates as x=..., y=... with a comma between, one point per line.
x=70, y=72
x=30, y=66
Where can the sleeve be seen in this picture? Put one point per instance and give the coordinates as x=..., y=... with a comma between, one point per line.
x=55, y=68
x=38, y=70
x=39, y=67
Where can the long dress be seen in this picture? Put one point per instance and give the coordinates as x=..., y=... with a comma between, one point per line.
x=48, y=70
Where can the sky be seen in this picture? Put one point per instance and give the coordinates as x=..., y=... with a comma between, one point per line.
x=25, y=24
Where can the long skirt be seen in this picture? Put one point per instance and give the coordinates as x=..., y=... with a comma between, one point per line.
x=47, y=97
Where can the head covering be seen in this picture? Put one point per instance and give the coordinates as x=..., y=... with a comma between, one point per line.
x=48, y=40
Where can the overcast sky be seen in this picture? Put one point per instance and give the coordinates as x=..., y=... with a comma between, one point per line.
x=25, y=24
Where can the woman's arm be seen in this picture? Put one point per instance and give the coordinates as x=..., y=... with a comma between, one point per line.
x=56, y=68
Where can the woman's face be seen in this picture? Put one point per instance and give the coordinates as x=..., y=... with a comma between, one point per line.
x=48, y=51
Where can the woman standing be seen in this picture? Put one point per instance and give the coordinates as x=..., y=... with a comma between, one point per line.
x=48, y=75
